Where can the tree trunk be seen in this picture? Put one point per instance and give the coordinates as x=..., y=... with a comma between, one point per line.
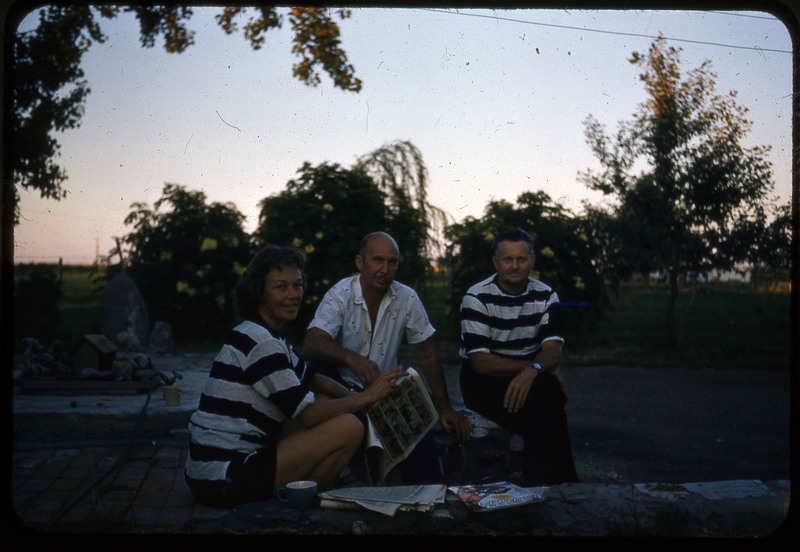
x=672, y=332
x=695, y=285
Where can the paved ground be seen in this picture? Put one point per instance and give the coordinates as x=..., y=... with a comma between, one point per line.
x=73, y=469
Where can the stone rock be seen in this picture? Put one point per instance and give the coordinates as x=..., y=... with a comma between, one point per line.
x=88, y=374
x=41, y=361
x=125, y=319
x=123, y=368
x=161, y=337
x=144, y=375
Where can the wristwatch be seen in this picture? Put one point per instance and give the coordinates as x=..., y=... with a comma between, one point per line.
x=536, y=366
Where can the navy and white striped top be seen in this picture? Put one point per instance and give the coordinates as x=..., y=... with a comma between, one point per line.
x=509, y=325
x=255, y=383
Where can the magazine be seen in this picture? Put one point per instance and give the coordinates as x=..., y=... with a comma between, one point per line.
x=493, y=496
x=396, y=424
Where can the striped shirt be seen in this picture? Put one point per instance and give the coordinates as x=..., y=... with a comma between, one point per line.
x=256, y=382
x=509, y=325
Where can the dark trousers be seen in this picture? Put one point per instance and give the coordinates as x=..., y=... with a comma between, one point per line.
x=422, y=465
x=542, y=422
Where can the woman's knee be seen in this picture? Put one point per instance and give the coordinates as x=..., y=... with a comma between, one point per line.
x=350, y=428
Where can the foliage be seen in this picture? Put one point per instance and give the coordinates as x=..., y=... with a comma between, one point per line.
x=49, y=90
x=47, y=93
x=399, y=171
x=329, y=209
x=565, y=253
x=37, y=291
x=186, y=260
x=698, y=179
x=765, y=246
x=731, y=326
x=324, y=212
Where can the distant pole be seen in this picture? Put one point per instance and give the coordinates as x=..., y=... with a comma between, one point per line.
x=60, y=269
x=121, y=258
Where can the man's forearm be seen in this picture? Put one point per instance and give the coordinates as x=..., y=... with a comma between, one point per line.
x=490, y=364
x=318, y=344
x=432, y=368
x=548, y=357
x=433, y=373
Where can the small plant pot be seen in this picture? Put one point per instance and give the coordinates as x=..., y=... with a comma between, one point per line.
x=172, y=395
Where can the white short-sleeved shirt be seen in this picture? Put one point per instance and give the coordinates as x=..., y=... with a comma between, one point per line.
x=343, y=315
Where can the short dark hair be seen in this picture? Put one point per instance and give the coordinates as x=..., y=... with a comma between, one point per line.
x=250, y=287
x=518, y=234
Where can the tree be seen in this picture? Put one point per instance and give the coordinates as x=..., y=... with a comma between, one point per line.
x=399, y=171
x=48, y=89
x=565, y=253
x=698, y=177
x=329, y=209
x=37, y=292
x=186, y=260
x=324, y=212
x=766, y=246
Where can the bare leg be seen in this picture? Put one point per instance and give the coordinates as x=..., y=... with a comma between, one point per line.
x=319, y=453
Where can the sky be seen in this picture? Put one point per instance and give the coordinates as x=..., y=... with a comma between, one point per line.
x=495, y=100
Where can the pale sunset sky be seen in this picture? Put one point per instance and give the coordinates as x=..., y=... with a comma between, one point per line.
x=494, y=99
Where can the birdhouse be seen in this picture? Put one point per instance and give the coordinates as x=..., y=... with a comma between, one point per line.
x=94, y=351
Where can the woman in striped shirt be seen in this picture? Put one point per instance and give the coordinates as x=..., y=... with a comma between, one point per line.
x=264, y=419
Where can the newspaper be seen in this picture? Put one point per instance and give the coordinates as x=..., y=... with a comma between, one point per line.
x=493, y=496
x=385, y=500
x=396, y=424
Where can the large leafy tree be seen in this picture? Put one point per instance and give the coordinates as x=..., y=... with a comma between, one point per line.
x=48, y=89
x=324, y=212
x=566, y=250
x=680, y=174
x=328, y=209
x=185, y=255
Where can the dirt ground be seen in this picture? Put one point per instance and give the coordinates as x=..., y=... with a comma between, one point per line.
x=680, y=426
x=632, y=425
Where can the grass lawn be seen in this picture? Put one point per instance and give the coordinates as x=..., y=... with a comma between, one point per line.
x=728, y=326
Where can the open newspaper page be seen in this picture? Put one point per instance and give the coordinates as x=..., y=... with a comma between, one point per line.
x=396, y=424
x=493, y=496
x=385, y=500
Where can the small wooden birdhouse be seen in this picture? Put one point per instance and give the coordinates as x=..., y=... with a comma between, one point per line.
x=94, y=351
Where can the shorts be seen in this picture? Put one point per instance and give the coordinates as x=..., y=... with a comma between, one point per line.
x=249, y=478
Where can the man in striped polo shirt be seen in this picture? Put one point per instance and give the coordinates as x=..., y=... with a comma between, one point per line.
x=511, y=344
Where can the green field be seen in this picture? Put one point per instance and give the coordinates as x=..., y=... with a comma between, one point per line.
x=729, y=325
x=80, y=312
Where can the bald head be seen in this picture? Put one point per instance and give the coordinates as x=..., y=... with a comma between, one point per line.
x=376, y=262
x=375, y=238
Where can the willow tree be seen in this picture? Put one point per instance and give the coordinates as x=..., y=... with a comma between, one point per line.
x=417, y=225
x=678, y=212
x=328, y=209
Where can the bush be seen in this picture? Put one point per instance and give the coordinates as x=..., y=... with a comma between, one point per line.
x=37, y=291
